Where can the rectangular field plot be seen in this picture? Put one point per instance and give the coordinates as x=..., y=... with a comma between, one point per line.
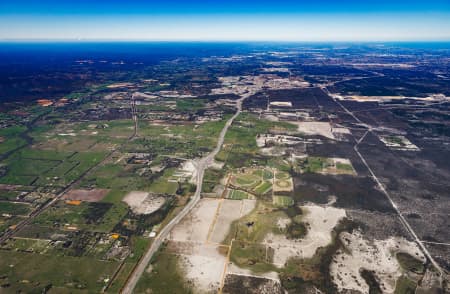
x=29, y=245
x=93, y=195
x=322, y=165
x=48, y=271
x=14, y=208
x=283, y=201
x=76, y=215
x=239, y=195
x=119, y=175
x=10, y=195
x=47, y=168
x=398, y=143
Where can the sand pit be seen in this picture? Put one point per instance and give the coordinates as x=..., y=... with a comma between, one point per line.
x=202, y=262
x=204, y=267
x=186, y=171
x=230, y=210
x=195, y=226
x=143, y=202
x=235, y=270
x=377, y=256
x=315, y=128
x=247, y=206
x=321, y=222
x=94, y=195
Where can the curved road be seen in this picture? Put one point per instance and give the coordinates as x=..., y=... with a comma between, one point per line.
x=201, y=165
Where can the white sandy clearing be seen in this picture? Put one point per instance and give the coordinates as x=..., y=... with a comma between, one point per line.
x=337, y=160
x=377, y=256
x=281, y=103
x=203, y=267
x=230, y=210
x=235, y=270
x=321, y=222
x=315, y=128
x=217, y=165
x=341, y=130
x=247, y=206
x=271, y=117
x=405, y=145
x=283, y=222
x=195, y=226
x=142, y=202
x=187, y=170
x=202, y=263
x=264, y=139
x=273, y=151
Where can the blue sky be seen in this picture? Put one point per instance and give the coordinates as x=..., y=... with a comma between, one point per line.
x=232, y=20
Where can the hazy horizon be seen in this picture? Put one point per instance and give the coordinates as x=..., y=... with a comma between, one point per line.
x=203, y=20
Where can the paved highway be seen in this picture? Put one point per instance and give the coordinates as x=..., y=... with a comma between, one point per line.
x=201, y=165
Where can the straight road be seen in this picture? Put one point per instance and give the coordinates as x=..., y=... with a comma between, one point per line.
x=385, y=192
x=201, y=166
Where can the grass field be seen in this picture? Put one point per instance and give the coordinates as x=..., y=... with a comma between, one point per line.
x=314, y=164
x=48, y=168
x=409, y=263
x=257, y=257
x=283, y=201
x=263, y=220
x=344, y=167
x=211, y=178
x=326, y=165
x=34, y=272
x=256, y=180
x=263, y=188
x=139, y=245
x=30, y=245
x=116, y=177
x=405, y=286
x=11, y=139
x=97, y=217
x=9, y=195
x=242, y=136
x=164, y=277
x=187, y=140
x=162, y=185
x=14, y=208
x=122, y=276
x=238, y=195
x=190, y=105
x=282, y=175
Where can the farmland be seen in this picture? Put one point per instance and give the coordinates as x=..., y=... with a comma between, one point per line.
x=332, y=176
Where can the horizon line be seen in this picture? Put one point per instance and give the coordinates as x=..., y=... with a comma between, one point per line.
x=86, y=40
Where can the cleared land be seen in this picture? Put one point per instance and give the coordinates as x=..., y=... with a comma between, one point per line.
x=144, y=202
x=94, y=195
x=320, y=222
x=377, y=257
